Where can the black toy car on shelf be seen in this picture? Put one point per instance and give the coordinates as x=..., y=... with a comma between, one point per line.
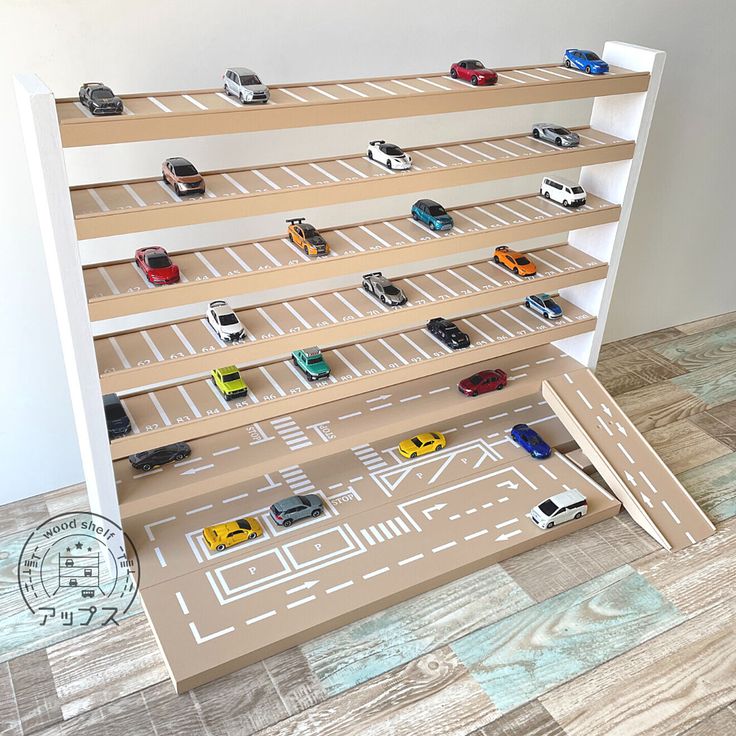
x=149, y=459
x=118, y=422
x=100, y=99
x=448, y=333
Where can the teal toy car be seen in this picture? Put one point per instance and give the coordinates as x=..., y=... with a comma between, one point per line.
x=432, y=214
x=312, y=363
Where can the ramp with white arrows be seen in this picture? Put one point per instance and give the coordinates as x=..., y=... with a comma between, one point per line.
x=646, y=487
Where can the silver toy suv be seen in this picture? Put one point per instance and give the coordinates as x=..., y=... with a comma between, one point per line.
x=378, y=285
x=245, y=85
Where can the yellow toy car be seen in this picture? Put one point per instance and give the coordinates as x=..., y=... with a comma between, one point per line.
x=229, y=382
x=305, y=236
x=422, y=444
x=222, y=536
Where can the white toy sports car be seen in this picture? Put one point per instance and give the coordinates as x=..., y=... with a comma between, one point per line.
x=224, y=321
x=388, y=154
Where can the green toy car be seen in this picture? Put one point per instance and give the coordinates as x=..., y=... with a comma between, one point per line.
x=229, y=382
x=311, y=362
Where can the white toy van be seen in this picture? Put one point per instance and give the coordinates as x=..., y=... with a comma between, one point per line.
x=559, y=509
x=562, y=191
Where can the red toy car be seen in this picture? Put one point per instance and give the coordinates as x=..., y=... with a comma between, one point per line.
x=156, y=265
x=473, y=71
x=483, y=382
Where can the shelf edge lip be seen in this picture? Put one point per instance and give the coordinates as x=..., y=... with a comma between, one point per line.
x=452, y=308
x=121, y=448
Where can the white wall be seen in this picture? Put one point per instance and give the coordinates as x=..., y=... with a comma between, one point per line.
x=137, y=45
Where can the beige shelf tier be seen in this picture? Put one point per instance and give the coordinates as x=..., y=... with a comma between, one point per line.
x=164, y=353
x=237, y=455
x=149, y=204
x=117, y=289
x=392, y=528
x=179, y=114
x=195, y=408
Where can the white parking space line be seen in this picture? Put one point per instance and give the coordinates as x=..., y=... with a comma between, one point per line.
x=491, y=215
x=225, y=97
x=207, y=264
x=514, y=212
x=517, y=320
x=434, y=84
x=342, y=299
x=296, y=315
x=347, y=88
x=521, y=145
x=374, y=302
x=476, y=151
x=532, y=207
x=408, y=86
x=98, y=200
x=584, y=398
x=351, y=168
x=379, y=166
x=324, y=310
x=119, y=352
x=272, y=381
x=268, y=319
x=425, y=294
x=564, y=258
x=373, y=360
x=477, y=329
x=237, y=259
x=547, y=263
x=169, y=191
x=296, y=176
x=350, y=366
x=503, y=150
x=159, y=104
x=190, y=402
x=398, y=356
x=235, y=183
x=152, y=345
x=382, y=89
x=159, y=409
x=297, y=373
x=84, y=109
x=554, y=74
x=322, y=92
x=592, y=140
x=495, y=324
x=216, y=393
x=399, y=232
x=293, y=94
x=433, y=278
x=436, y=340
x=483, y=275
x=511, y=79
x=457, y=213
x=271, y=258
x=463, y=279
x=182, y=338
x=108, y=280
x=332, y=177
x=533, y=76
x=194, y=102
x=429, y=158
x=566, y=210
x=454, y=155
x=378, y=238
x=265, y=179
x=349, y=240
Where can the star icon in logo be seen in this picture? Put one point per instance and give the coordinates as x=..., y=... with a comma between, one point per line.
x=78, y=545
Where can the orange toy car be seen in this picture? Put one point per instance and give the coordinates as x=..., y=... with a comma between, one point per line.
x=306, y=237
x=514, y=261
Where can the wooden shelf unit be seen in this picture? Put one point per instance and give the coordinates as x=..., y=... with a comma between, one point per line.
x=620, y=120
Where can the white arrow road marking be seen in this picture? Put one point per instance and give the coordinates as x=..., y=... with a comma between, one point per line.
x=508, y=535
x=621, y=429
x=437, y=507
x=508, y=484
x=192, y=471
x=304, y=586
x=646, y=500
x=606, y=410
x=378, y=398
x=630, y=478
x=506, y=523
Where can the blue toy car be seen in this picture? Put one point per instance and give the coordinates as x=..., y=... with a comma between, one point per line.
x=524, y=435
x=586, y=61
x=432, y=214
x=545, y=305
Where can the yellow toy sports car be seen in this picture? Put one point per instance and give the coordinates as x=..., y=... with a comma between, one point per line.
x=222, y=536
x=422, y=444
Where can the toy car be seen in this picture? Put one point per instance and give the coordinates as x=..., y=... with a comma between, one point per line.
x=587, y=61
x=432, y=214
x=388, y=154
x=118, y=422
x=473, y=71
x=156, y=265
x=545, y=305
x=564, y=192
x=482, y=382
x=229, y=382
x=245, y=85
x=448, y=333
x=224, y=321
x=519, y=263
x=306, y=237
x=182, y=176
x=99, y=99
x=149, y=459
x=422, y=444
x=221, y=536
x=312, y=363
x=291, y=509
x=559, y=509
x=525, y=436
x=378, y=285
x=556, y=134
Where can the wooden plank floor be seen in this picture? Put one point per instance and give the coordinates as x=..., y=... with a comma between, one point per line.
x=600, y=633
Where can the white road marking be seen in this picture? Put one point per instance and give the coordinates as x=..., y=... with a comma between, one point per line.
x=350, y=416
x=584, y=398
x=425, y=294
x=373, y=574
x=506, y=523
x=476, y=534
x=194, y=102
x=348, y=239
x=296, y=315
x=625, y=453
x=322, y=92
x=201, y=508
x=207, y=264
x=381, y=89
x=503, y=150
x=409, y=560
x=408, y=86
x=108, y=280
x=161, y=560
x=119, y=352
x=429, y=158
x=439, y=390
x=410, y=398
x=234, y=498
x=398, y=356
x=271, y=258
x=399, y=232
x=647, y=481
x=433, y=278
x=373, y=360
x=332, y=177
x=202, y=639
x=592, y=140
x=434, y=84
x=497, y=325
x=98, y=200
x=671, y=512
x=169, y=191
x=235, y=183
x=414, y=345
x=353, y=169
x=479, y=153
x=454, y=155
x=529, y=74
x=341, y=586
x=296, y=176
x=159, y=104
x=350, y=366
x=485, y=276
x=491, y=215
x=511, y=79
x=513, y=212
x=265, y=179
x=378, y=238
x=342, y=299
x=159, y=408
x=477, y=329
x=355, y=92
x=268, y=319
x=272, y=381
x=292, y=94
x=690, y=537
x=605, y=426
x=521, y=145
x=297, y=373
x=182, y=603
x=256, y=619
x=443, y=547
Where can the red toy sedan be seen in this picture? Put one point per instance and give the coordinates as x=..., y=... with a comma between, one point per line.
x=156, y=265
x=473, y=71
x=483, y=382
